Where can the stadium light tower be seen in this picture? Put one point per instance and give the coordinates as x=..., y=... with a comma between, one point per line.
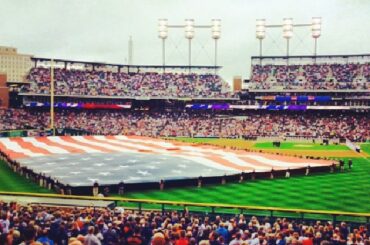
x=189, y=28
x=216, y=34
x=287, y=32
x=287, y=27
x=189, y=34
x=260, y=33
x=316, y=31
x=163, y=34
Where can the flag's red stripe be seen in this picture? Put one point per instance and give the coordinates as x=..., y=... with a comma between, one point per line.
x=72, y=140
x=64, y=147
x=290, y=159
x=12, y=154
x=30, y=146
x=259, y=163
x=143, y=143
x=110, y=143
x=227, y=163
x=218, y=160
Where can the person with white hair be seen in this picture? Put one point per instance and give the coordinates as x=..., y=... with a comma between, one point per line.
x=90, y=238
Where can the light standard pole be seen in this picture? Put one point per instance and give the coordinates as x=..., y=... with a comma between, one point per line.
x=216, y=34
x=163, y=34
x=189, y=34
x=316, y=32
x=261, y=34
x=287, y=33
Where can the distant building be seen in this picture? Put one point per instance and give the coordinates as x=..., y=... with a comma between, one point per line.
x=15, y=66
x=237, y=84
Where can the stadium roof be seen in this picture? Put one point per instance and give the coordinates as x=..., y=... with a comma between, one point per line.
x=127, y=66
x=310, y=56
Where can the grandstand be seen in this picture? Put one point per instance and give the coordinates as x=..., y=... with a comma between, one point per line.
x=94, y=80
x=334, y=73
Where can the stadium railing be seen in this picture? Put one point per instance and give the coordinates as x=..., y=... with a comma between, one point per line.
x=24, y=132
x=41, y=132
x=212, y=208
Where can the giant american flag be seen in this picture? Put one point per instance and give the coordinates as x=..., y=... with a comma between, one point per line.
x=81, y=160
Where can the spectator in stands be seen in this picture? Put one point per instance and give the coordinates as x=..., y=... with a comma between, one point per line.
x=91, y=238
x=311, y=77
x=99, y=83
x=353, y=126
x=44, y=239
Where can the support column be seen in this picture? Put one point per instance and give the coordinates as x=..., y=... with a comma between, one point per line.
x=52, y=126
x=189, y=55
x=260, y=52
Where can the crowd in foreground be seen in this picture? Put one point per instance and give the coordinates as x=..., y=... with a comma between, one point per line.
x=312, y=77
x=99, y=83
x=93, y=226
x=353, y=126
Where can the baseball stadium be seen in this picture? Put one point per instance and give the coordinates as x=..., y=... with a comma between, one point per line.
x=182, y=149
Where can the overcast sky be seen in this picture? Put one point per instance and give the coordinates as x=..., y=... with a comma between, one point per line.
x=98, y=30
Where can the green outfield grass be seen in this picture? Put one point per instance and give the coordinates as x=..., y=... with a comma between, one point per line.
x=194, y=140
x=366, y=148
x=348, y=191
x=299, y=146
x=262, y=145
x=10, y=181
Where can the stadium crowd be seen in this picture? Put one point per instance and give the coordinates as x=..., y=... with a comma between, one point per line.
x=314, y=76
x=354, y=126
x=93, y=226
x=94, y=83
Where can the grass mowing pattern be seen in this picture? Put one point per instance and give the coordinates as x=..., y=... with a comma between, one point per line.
x=10, y=181
x=193, y=140
x=243, y=144
x=237, y=143
x=366, y=148
x=348, y=191
x=299, y=146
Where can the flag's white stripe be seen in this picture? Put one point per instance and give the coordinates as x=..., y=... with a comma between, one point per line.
x=195, y=153
x=17, y=148
x=261, y=159
x=281, y=163
x=42, y=145
x=265, y=162
x=208, y=163
x=191, y=149
x=138, y=147
x=60, y=141
x=199, y=150
x=243, y=163
x=163, y=151
x=126, y=139
x=105, y=145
